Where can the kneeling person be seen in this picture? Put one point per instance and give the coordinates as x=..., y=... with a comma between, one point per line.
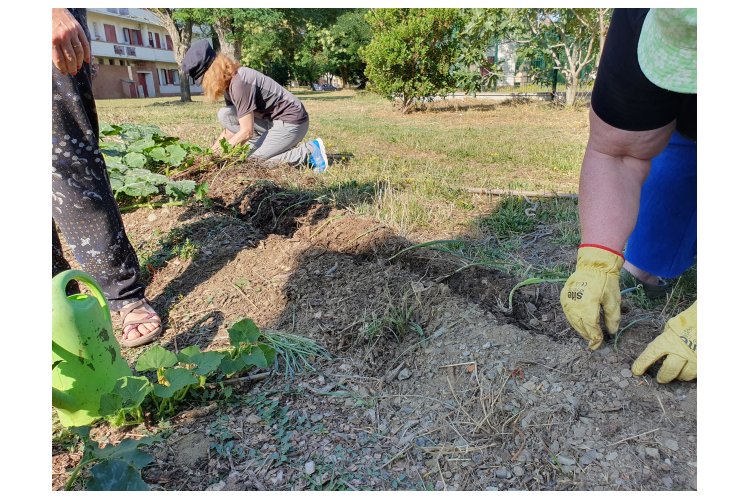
x=259, y=111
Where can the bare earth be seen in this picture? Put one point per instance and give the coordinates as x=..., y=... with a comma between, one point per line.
x=483, y=400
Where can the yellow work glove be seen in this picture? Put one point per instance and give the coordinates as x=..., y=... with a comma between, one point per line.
x=679, y=343
x=594, y=284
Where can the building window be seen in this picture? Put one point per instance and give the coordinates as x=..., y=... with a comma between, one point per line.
x=110, y=33
x=122, y=12
x=158, y=41
x=169, y=42
x=97, y=36
x=150, y=39
x=126, y=35
x=113, y=11
x=175, y=77
x=122, y=62
x=111, y=62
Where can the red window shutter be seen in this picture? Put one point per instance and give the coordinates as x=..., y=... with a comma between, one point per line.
x=169, y=78
x=169, y=42
x=158, y=41
x=110, y=33
x=136, y=38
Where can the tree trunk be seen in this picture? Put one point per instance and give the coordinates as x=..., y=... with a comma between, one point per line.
x=571, y=90
x=182, y=37
x=223, y=28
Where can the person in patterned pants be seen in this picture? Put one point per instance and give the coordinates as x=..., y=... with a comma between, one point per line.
x=83, y=206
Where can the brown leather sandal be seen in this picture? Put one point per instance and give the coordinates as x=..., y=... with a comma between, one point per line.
x=129, y=325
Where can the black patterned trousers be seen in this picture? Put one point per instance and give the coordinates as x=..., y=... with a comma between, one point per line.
x=83, y=206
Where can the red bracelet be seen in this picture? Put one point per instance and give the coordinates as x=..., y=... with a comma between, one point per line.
x=619, y=254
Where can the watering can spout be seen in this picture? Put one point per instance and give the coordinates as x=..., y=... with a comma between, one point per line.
x=86, y=360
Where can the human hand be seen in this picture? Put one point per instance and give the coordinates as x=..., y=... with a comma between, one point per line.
x=70, y=48
x=594, y=284
x=679, y=343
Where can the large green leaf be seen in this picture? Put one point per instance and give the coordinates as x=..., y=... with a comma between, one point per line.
x=116, y=475
x=138, y=188
x=110, y=404
x=126, y=450
x=184, y=355
x=137, y=160
x=154, y=358
x=257, y=357
x=133, y=390
x=244, y=331
x=176, y=155
x=177, y=378
x=269, y=352
x=141, y=145
x=179, y=189
x=107, y=129
x=206, y=362
x=230, y=366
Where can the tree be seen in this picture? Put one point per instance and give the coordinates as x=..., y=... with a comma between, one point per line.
x=411, y=53
x=229, y=26
x=344, y=44
x=603, y=17
x=179, y=24
x=482, y=28
x=571, y=37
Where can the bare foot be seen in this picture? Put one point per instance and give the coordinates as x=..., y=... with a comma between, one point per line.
x=140, y=324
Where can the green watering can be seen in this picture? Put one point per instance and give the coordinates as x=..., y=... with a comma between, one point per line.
x=86, y=360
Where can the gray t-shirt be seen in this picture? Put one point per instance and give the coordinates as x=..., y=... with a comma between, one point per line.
x=253, y=92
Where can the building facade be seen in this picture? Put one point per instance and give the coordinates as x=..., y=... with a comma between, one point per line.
x=132, y=55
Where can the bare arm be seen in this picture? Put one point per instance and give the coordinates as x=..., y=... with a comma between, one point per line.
x=244, y=134
x=615, y=165
x=246, y=131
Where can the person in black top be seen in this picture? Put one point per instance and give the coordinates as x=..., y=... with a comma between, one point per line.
x=638, y=173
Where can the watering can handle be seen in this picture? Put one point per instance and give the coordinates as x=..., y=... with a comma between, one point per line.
x=69, y=275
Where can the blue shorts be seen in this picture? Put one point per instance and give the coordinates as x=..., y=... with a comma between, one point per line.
x=664, y=241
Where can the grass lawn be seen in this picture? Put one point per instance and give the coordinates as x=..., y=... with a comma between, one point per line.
x=410, y=171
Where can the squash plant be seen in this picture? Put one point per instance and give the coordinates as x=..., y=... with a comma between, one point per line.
x=141, y=158
x=170, y=378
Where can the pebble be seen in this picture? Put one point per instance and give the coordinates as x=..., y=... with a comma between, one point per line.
x=503, y=473
x=253, y=419
x=216, y=486
x=491, y=488
x=626, y=373
x=487, y=345
x=667, y=482
x=612, y=456
x=309, y=467
x=588, y=457
x=672, y=444
x=518, y=470
x=316, y=417
x=565, y=460
x=404, y=374
x=623, y=384
x=652, y=452
x=535, y=322
x=152, y=217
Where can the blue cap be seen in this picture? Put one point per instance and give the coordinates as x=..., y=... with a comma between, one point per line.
x=197, y=59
